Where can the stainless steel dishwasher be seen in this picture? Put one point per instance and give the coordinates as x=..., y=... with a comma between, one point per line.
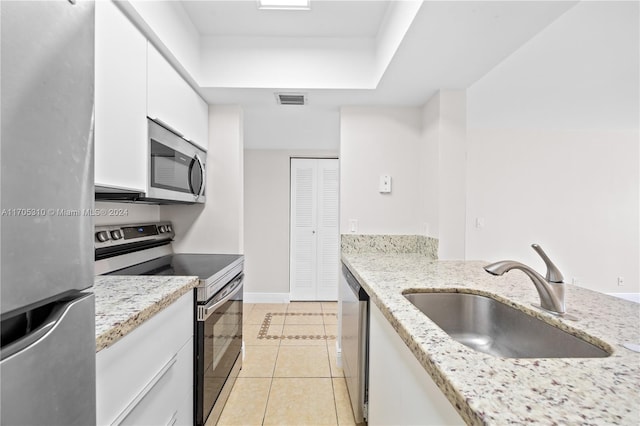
x=355, y=342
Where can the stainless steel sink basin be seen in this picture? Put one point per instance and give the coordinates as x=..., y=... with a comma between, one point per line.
x=492, y=327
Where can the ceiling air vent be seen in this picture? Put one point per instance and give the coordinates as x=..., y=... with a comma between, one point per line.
x=291, y=98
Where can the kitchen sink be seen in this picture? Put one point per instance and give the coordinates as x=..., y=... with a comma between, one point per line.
x=492, y=327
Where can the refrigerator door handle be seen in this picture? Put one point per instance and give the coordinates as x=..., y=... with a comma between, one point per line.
x=57, y=370
x=39, y=333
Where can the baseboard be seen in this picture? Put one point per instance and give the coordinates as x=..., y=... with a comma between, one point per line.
x=634, y=297
x=266, y=297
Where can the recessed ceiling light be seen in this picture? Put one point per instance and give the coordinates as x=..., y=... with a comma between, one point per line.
x=284, y=4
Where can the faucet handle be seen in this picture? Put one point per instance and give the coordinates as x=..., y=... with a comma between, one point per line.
x=553, y=273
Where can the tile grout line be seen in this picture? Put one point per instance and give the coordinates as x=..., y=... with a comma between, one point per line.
x=333, y=388
x=264, y=327
x=273, y=373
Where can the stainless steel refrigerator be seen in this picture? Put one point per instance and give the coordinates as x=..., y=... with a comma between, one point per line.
x=47, y=355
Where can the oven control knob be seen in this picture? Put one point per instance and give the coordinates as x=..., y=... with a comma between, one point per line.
x=102, y=236
x=169, y=229
x=162, y=229
x=116, y=234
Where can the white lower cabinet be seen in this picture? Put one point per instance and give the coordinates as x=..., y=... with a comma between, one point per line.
x=158, y=405
x=146, y=378
x=184, y=415
x=401, y=392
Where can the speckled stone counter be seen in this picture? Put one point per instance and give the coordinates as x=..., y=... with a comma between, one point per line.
x=125, y=302
x=499, y=391
x=366, y=243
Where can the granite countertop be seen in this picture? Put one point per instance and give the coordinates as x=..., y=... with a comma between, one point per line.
x=125, y=302
x=497, y=391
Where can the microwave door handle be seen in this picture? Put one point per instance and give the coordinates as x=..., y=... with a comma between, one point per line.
x=204, y=175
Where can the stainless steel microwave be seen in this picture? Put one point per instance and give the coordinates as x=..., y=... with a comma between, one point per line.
x=177, y=169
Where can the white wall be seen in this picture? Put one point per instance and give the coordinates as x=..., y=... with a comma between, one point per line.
x=291, y=127
x=424, y=150
x=553, y=150
x=218, y=226
x=452, y=175
x=284, y=62
x=266, y=221
x=429, y=166
x=573, y=192
x=374, y=142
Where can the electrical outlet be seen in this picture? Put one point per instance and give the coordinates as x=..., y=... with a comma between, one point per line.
x=575, y=281
x=620, y=281
x=353, y=225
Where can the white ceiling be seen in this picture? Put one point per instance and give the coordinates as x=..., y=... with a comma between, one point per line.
x=324, y=19
x=448, y=45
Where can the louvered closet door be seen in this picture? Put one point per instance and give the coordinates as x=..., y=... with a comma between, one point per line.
x=304, y=208
x=314, y=251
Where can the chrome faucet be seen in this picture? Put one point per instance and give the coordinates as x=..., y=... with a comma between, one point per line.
x=550, y=288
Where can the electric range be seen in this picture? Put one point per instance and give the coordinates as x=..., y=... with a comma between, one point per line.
x=145, y=249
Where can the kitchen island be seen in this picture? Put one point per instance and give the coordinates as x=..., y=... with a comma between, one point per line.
x=125, y=302
x=485, y=389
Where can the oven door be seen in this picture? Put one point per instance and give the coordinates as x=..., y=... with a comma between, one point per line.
x=218, y=345
x=176, y=167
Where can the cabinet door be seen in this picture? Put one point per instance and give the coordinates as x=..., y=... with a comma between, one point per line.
x=124, y=369
x=404, y=394
x=315, y=250
x=174, y=102
x=120, y=101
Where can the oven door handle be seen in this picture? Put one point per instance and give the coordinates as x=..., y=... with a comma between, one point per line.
x=205, y=312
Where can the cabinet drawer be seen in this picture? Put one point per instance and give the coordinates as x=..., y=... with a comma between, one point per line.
x=124, y=369
x=185, y=412
x=162, y=403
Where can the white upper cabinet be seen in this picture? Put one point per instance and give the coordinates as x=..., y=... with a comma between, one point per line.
x=120, y=101
x=171, y=100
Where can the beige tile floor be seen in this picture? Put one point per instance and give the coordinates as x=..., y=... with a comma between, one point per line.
x=292, y=380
